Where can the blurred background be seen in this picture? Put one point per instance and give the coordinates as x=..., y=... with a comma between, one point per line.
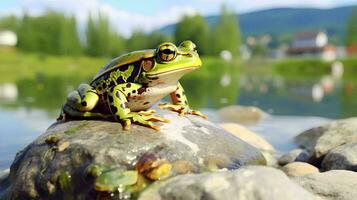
x=296, y=60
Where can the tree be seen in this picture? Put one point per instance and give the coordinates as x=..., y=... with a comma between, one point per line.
x=69, y=43
x=51, y=33
x=225, y=35
x=117, y=44
x=10, y=23
x=351, y=37
x=138, y=40
x=193, y=28
x=98, y=36
x=156, y=38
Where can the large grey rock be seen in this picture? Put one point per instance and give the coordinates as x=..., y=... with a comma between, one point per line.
x=331, y=185
x=194, y=144
x=321, y=140
x=342, y=157
x=296, y=155
x=241, y=114
x=249, y=183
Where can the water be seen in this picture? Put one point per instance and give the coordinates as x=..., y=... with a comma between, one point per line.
x=29, y=106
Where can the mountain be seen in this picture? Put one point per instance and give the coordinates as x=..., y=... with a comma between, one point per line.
x=282, y=23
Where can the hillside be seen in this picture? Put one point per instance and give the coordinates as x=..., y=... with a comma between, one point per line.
x=281, y=23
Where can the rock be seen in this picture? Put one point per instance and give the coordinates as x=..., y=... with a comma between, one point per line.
x=331, y=185
x=4, y=183
x=319, y=141
x=253, y=139
x=270, y=159
x=241, y=114
x=342, y=157
x=70, y=158
x=296, y=155
x=251, y=183
x=248, y=136
x=299, y=169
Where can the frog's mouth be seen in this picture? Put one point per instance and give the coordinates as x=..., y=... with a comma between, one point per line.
x=179, y=71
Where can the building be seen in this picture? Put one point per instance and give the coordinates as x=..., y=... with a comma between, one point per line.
x=8, y=38
x=312, y=44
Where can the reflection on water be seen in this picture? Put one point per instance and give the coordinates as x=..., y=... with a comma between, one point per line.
x=325, y=96
x=29, y=106
x=8, y=92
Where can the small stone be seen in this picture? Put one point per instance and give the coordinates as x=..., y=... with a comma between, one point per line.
x=296, y=155
x=50, y=187
x=330, y=185
x=299, y=169
x=63, y=146
x=342, y=157
x=241, y=114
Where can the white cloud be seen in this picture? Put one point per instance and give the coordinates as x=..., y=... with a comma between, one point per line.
x=121, y=20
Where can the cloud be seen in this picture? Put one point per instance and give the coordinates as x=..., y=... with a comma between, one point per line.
x=121, y=20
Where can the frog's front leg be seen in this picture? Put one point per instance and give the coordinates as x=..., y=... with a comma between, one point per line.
x=117, y=99
x=180, y=103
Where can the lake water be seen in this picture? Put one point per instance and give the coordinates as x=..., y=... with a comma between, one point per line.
x=29, y=106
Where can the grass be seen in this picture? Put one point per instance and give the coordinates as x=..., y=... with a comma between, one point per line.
x=311, y=67
x=15, y=65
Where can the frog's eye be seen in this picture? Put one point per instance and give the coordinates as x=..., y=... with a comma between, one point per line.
x=167, y=52
x=147, y=64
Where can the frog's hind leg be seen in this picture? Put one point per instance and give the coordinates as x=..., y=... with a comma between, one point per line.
x=81, y=101
x=121, y=112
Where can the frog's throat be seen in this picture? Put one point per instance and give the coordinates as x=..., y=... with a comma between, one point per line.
x=172, y=71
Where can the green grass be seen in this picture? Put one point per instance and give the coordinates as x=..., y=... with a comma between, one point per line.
x=15, y=65
x=311, y=67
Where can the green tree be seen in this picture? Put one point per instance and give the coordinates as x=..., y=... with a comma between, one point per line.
x=226, y=34
x=98, y=36
x=351, y=36
x=26, y=36
x=69, y=43
x=193, y=28
x=51, y=33
x=117, y=44
x=156, y=38
x=138, y=40
x=9, y=23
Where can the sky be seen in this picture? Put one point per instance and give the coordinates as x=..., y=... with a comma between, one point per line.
x=128, y=15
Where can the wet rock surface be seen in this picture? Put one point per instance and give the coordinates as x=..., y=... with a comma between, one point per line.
x=342, y=157
x=331, y=185
x=251, y=182
x=320, y=140
x=72, y=159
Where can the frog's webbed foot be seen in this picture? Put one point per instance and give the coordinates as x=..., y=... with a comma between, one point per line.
x=182, y=110
x=147, y=112
x=144, y=118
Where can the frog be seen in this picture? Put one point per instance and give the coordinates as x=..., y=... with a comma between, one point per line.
x=129, y=85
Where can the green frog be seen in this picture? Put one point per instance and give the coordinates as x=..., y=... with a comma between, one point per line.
x=127, y=87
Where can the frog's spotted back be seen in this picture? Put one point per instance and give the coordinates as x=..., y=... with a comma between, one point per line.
x=125, y=60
